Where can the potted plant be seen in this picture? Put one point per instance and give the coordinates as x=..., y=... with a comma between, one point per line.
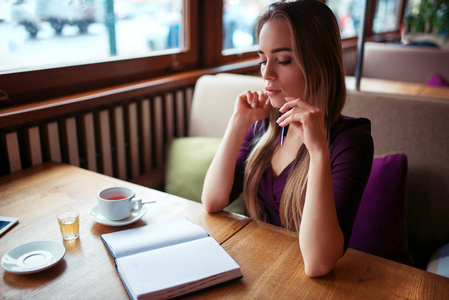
x=431, y=24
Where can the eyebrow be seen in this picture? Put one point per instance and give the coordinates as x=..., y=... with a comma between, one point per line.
x=275, y=50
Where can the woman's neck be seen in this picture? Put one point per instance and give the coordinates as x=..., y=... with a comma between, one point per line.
x=285, y=154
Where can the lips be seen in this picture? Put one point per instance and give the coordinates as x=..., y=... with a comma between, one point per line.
x=272, y=91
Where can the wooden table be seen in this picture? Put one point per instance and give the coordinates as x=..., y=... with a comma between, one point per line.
x=37, y=195
x=269, y=256
x=271, y=262
x=397, y=87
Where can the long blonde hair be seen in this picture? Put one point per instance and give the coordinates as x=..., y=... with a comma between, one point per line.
x=316, y=38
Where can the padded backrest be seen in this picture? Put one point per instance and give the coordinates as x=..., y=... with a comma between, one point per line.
x=213, y=101
x=404, y=63
x=419, y=127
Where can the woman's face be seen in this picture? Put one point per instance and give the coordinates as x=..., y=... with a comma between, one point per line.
x=282, y=75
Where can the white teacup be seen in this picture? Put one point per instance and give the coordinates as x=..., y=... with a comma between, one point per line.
x=117, y=203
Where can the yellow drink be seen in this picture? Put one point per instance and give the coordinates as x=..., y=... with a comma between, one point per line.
x=69, y=225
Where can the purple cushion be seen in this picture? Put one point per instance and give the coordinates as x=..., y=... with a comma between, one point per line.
x=436, y=80
x=379, y=227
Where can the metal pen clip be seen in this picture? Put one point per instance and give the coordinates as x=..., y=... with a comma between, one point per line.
x=283, y=134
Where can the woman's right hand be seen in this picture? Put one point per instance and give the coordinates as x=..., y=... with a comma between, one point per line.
x=252, y=106
x=249, y=108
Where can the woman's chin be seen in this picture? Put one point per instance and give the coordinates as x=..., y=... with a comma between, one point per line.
x=277, y=102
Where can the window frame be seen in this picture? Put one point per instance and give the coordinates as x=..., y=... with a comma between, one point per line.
x=38, y=84
x=211, y=42
x=204, y=29
x=399, y=15
x=211, y=52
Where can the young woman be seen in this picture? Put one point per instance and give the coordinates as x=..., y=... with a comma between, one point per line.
x=313, y=181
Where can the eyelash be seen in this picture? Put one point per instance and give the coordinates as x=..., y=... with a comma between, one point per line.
x=287, y=62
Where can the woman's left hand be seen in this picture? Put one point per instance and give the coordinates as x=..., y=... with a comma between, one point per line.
x=308, y=119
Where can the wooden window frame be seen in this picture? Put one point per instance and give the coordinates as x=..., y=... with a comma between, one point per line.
x=204, y=50
x=383, y=36
x=211, y=37
x=36, y=85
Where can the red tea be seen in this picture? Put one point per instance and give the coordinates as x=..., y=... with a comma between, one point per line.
x=116, y=198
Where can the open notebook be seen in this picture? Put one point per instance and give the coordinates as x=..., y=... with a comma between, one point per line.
x=169, y=259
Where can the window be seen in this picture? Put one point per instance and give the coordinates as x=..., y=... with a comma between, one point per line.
x=386, y=18
x=47, y=33
x=145, y=39
x=348, y=14
x=95, y=44
x=239, y=19
x=412, y=7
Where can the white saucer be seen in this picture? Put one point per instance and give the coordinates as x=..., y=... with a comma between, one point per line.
x=33, y=257
x=95, y=215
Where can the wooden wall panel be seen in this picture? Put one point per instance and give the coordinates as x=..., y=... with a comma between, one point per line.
x=180, y=114
x=189, y=98
x=13, y=150
x=119, y=134
x=146, y=130
x=350, y=60
x=34, y=146
x=104, y=130
x=158, y=113
x=53, y=141
x=125, y=140
x=89, y=144
x=133, y=130
x=123, y=132
x=72, y=141
x=169, y=124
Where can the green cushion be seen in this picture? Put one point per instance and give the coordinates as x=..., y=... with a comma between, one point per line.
x=187, y=164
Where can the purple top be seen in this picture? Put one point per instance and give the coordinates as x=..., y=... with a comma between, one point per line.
x=351, y=150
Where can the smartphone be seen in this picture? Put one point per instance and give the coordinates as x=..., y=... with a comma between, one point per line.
x=6, y=223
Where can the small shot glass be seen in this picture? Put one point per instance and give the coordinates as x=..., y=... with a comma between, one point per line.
x=69, y=223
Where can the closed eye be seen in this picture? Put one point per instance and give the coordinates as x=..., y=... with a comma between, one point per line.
x=286, y=62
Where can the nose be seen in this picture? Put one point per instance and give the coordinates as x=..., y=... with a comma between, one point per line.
x=268, y=72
